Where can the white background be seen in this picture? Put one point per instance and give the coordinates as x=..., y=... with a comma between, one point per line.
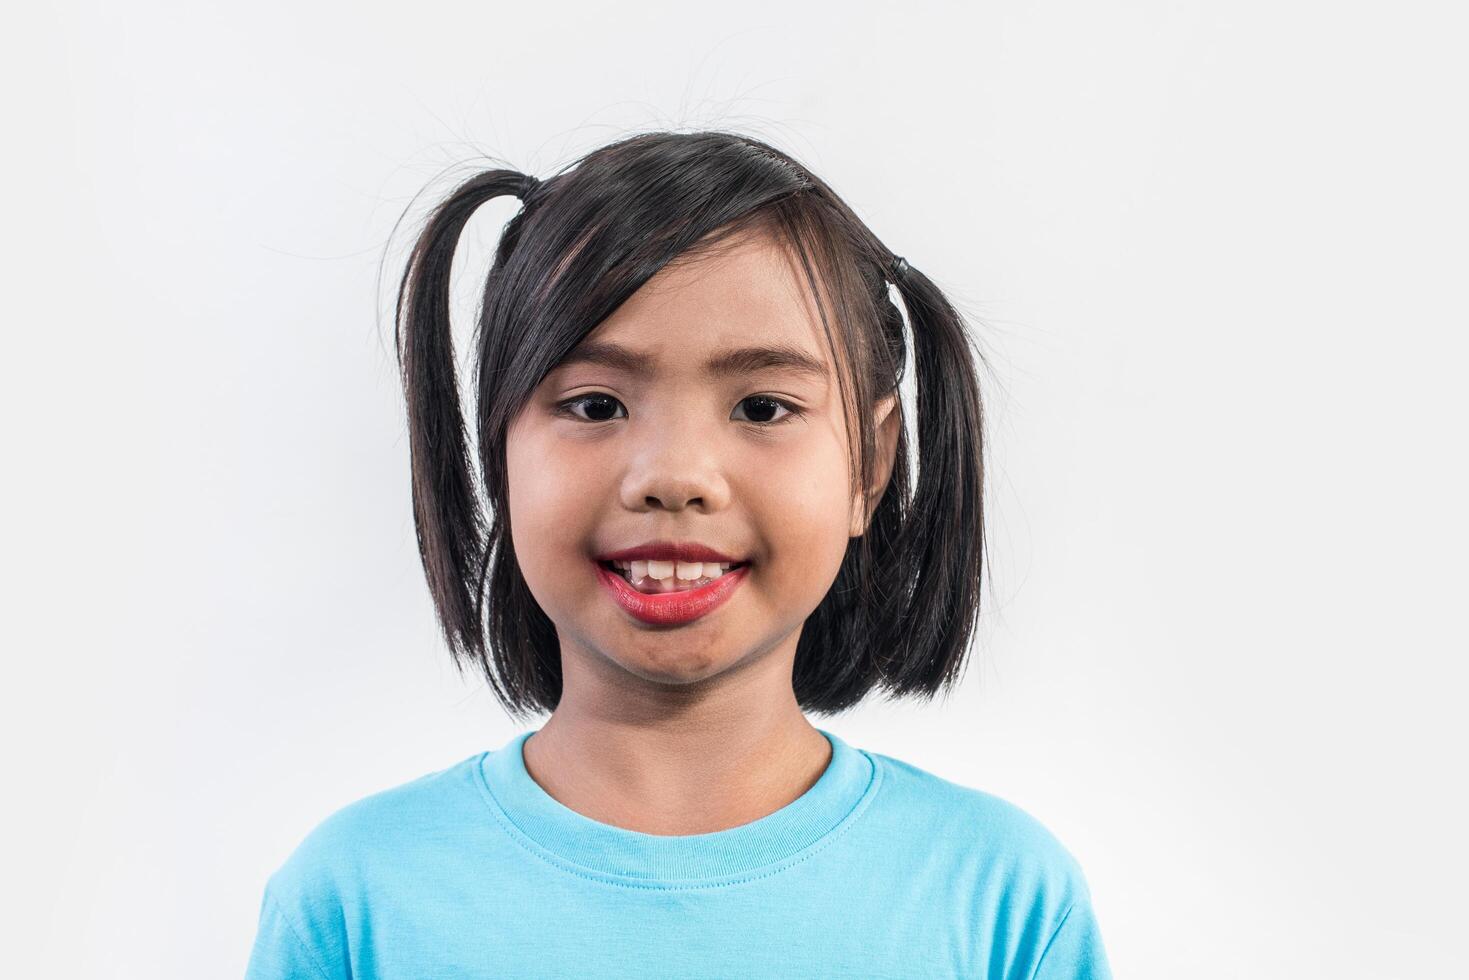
x=1216, y=253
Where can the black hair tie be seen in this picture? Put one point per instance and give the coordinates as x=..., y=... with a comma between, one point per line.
x=898, y=267
x=529, y=184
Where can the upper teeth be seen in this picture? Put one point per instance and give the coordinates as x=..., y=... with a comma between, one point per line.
x=686, y=570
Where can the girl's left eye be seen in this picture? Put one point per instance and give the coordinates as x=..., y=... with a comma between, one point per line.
x=765, y=404
x=598, y=403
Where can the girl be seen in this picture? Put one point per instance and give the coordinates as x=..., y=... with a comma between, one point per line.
x=700, y=528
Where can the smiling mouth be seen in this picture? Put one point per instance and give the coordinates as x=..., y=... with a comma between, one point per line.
x=660, y=577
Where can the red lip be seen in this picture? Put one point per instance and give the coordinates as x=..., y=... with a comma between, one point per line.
x=689, y=551
x=671, y=608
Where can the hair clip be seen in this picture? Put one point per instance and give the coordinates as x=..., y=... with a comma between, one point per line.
x=529, y=184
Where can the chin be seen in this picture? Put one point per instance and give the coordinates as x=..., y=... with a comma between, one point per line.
x=668, y=660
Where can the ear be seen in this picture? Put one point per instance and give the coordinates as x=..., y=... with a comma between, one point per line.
x=888, y=423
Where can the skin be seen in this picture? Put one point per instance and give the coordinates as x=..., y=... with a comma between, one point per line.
x=689, y=729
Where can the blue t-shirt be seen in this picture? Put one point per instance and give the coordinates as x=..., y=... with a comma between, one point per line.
x=880, y=869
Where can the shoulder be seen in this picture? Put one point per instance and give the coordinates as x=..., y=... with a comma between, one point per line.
x=323, y=887
x=378, y=831
x=998, y=841
x=1018, y=891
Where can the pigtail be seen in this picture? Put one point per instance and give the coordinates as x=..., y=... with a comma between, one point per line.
x=447, y=516
x=939, y=551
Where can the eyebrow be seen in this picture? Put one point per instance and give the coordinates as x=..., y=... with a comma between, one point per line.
x=726, y=363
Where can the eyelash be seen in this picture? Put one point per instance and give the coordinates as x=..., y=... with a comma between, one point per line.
x=792, y=412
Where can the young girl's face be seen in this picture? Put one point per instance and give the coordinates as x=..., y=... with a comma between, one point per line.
x=750, y=462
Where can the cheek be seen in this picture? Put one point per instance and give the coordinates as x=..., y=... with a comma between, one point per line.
x=553, y=508
x=801, y=504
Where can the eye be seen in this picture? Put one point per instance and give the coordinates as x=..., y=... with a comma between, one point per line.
x=597, y=401
x=763, y=404
x=602, y=407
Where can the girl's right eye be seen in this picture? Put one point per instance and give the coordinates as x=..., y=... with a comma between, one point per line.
x=599, y=403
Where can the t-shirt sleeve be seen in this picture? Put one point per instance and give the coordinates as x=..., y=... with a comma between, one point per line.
x=289, y=948
x=1075, y=951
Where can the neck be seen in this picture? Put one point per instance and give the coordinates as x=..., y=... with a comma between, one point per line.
x=678, y=759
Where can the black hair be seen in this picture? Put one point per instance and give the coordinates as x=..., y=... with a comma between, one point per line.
x=902, y=610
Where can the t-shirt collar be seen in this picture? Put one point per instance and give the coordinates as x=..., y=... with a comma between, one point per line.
x=566, y=837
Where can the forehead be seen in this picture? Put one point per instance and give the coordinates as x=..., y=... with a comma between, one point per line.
x=743, y=307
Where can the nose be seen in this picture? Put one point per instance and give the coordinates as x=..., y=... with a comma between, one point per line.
x=675, y=471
